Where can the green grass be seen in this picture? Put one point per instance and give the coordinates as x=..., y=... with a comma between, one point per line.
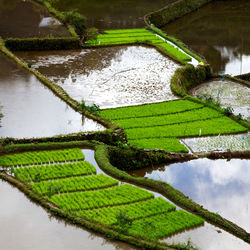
x=123, y=194
x=74, y=184
x=108, y=215
x=130, y=36
x=167, y=144
x=162, y=225
x=154, y=109
x=39, y=173
x=192, y=115
x=222, y=125
x=30, y=158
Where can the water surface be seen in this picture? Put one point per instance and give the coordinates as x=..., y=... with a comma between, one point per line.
x=108, y=77
x=220, y=32
x=31, y=110
x=220, y=186
x=22, y=19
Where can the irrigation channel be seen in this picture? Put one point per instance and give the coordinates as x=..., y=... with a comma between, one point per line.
x=31, y=110
x=220, y=32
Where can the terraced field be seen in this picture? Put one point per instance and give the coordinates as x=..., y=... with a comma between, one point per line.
x=159, y=125
x=75, y=188
x=130, y=36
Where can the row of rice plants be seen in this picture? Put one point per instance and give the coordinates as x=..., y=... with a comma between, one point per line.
x=141, y=36
x=192, y=115
x=145, y=110
x=165, y=224
x=96, y=199
x=167, y=144
x=109, y=215
x=125, y=31
x=30, y=158
x=221, y=125
x=74, y=184
x=46, y=172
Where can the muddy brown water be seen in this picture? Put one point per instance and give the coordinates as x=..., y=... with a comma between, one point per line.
x=22, y=19
x=108, y=77
x=113, y=14
x=31, y=110
x=220, y=32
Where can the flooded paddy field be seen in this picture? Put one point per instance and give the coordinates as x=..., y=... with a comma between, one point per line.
x=228, y=94
x=219, y=143
x=108, y=77
x=220, y=32
x=110, y=14
x=220, y=186
x=31, y=110
x=22, y=19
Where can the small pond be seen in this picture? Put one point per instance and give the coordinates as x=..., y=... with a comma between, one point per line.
x=22, y=19
x=31, y=110
x=220, y=32
x=219, y=143
x=228, y=94
x=108, y=77
x=110, y=14
x=220, y=186
x=33, y=228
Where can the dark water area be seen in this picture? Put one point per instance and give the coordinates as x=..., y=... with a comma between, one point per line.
x=109, y=77
x=27, y=226
x=31, y=110
x=22, y=19
x=220, y=32
x=220, y=186
x=110, y=14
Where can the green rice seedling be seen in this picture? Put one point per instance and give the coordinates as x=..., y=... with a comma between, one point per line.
x=141, y=209
x=122, y=194
x=74, y=184
x=153, y=109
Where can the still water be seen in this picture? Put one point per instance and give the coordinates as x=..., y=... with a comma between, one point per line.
x=31, y=110
x=220, y=32
x=22, y=19
x=108, y=77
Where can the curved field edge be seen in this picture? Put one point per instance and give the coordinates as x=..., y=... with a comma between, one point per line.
x=170, y=193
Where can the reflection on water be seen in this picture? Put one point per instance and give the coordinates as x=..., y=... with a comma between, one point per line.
x=113, y=14
x=220, y=32
x=229, y=94
x=31, y=110
x=220, y=186
x=108, y=77
x=219, y=143
x=27, y=19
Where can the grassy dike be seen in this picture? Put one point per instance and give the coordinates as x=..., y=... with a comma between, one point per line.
x=170, y=193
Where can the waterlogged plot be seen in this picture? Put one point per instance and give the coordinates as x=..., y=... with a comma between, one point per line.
x=159, y=226
x=113, y=37
x=154, y=109
x=168, y=144
x=47, y=172
x=93, y=199
x=223, y=125
x=74, y=184
x=137, y=210
x=108, y=76
x=30, y=158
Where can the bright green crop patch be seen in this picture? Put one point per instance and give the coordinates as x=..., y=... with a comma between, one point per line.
x=124, y=31
x=192, y=115
x=162, y=225
x=74, y=184
x=154, y=109
x=108, y=215
x=167, y=144
x=123, y=194
x=30, y=158
x=215, y=126
x=39, y=173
